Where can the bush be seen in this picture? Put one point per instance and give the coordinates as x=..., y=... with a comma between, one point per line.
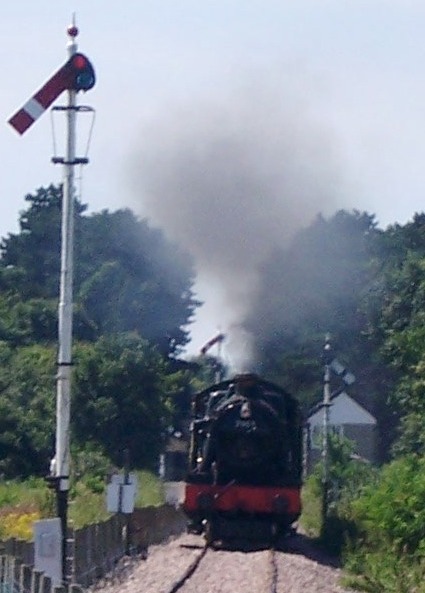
x=348, y=477
x=337, y=533
x=18, y=525
x=388, y=550
x=393, y=511
x=383, y=571
x=312, y=506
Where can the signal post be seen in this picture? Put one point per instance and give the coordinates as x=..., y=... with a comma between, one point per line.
x=77, y=74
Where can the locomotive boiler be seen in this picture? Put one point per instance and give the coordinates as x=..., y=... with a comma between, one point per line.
x=245, y=458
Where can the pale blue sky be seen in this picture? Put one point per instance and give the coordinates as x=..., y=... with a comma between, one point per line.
x=357, y=68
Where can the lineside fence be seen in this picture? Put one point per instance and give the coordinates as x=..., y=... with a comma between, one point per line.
x=95, y=550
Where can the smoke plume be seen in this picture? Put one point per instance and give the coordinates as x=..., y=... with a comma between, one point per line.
x=231, y=178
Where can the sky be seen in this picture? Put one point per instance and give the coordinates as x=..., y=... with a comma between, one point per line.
x=197, y=103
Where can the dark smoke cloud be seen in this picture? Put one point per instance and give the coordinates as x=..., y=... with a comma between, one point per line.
x=231, y=178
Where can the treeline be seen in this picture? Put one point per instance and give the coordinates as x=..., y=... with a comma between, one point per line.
x=366, y=287
x=133, y=303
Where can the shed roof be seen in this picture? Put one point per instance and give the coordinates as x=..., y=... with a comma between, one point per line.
x=343, y=410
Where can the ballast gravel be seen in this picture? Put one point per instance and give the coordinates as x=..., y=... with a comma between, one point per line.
x=300, y=569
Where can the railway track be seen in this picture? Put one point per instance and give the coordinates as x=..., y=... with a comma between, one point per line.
x=223, y=564
x=273, y=571
x=179, y=583
x=186, y=565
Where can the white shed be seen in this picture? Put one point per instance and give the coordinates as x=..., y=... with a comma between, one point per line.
x=346, y=418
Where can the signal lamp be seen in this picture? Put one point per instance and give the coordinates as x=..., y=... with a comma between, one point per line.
x=81, y=73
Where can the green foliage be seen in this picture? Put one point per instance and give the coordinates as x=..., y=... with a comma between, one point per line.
x=348, y=478
x=34, y=250
x=150, y=489
x=311, y=518
x=315, y=286
x=147, y=280
x=348, y=475
x=88, y=504
x=393, y=511
x=89, y=467
x=387, y=551
x=133, y=304
x=22, y=502
x=127, y=277
x=383, y=571
x=27, y=410
x=120, y=398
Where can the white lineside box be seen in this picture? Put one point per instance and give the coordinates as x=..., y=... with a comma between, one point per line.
x=48, y=548
x=121, y=496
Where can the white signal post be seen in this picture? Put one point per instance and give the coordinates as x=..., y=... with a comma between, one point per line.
x=75, y=75
x=63, y=399
x=330, y=364
x=327, y=356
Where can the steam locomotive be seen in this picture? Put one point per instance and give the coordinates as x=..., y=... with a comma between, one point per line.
x=245, y=460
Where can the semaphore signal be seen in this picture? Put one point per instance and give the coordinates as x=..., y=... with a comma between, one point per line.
x=330, y=364
x=218, y=339
x=77, y=74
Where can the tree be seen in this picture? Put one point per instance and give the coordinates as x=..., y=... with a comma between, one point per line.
x=35, y=251
x=313, y=287
x=396, y=313
x=128, y=277
x=27, y=410
x=147, y=280
x=120, y=398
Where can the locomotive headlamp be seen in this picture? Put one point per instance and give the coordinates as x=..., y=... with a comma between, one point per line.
x=245, y=411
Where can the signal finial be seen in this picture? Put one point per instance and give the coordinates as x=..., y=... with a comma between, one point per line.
x=72, y=29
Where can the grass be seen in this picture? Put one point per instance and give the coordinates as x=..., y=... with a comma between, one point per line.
x=311, y=516
x=23, y=502
x=150, y=490
x=384, y=571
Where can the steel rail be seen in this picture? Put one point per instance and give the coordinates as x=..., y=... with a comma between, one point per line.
x=177, y=585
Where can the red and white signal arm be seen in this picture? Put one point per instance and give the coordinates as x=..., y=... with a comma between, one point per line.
x=76, y=74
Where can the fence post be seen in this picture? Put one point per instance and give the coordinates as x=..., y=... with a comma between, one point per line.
x=46, y=584
x=17, y=575
x=2, y=568
x=35, y=581
x=25, y=578
x=10, y=573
